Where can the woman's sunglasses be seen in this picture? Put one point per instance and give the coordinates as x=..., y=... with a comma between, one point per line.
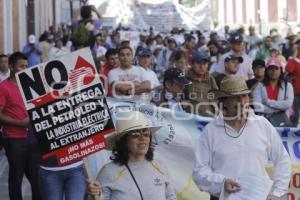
x=141, y=132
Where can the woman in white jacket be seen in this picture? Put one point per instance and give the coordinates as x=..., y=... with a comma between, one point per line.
x=274, y=96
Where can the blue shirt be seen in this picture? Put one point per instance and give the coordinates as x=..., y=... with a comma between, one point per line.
x=34, y=58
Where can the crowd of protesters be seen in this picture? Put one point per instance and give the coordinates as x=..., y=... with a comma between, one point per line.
x=176, y=70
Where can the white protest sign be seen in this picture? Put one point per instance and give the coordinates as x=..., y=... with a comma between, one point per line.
x=66, y=105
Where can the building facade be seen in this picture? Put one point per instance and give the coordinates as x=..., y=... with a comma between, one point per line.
x=263, y=14
x=19, y=18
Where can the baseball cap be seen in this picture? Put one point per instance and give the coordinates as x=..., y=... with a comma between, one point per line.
x=233, y=57
x=176, y=75
x=145, y=52
x=236, y=38
x=31, y=39
x=258, y=62
x=200, y=57
x=274, y=62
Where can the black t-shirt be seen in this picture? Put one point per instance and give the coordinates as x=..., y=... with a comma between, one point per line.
x=252, y=83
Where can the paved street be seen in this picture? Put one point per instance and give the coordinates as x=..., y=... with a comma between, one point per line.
x=4, y=178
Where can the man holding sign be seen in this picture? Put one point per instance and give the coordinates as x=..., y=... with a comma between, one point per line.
x=66, y=105
x=232, y=154
x=20, y=149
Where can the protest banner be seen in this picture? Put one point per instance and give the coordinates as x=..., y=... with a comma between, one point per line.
x=161, y=15
x=109, y=23
x=175, y=145
x=132, y=36
x=65, y=102
x=149, y=14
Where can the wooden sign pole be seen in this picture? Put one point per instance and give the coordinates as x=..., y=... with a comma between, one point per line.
x=89, y=174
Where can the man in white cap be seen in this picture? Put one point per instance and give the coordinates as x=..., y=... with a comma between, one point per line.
x=232, y=154
x=33, y=51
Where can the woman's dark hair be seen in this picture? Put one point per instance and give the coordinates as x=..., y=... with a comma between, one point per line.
x=121, y=152
x=266, y=79
x=179, y=55
x=43, y=37
x=110, y=52
x=189, y=37
x=86, y=12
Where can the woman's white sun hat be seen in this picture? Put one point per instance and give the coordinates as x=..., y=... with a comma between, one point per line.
x=128, y=121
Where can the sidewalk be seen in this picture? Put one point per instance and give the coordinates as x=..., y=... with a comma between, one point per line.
x=4, y=180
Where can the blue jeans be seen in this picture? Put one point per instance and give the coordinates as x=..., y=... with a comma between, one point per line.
x=70, y=183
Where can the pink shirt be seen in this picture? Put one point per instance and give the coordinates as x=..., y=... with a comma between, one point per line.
x=12, y=106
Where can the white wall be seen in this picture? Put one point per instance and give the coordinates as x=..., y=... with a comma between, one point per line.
x=22, y=24
x=7, y=28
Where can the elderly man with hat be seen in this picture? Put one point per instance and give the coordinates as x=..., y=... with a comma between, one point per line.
x=202, y=82
x=237, y=48
x=235, y=147
x=170, y=95
x=288, y=46
x=237, y=144
x=133, y=173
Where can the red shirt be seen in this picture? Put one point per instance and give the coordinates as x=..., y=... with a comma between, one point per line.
x=190, y=56
x=293, y=67
x=12, y=106
x=272, y=92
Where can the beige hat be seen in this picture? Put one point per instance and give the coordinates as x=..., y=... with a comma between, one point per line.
x=231, y=85
x=128, y=121
x=290, y=34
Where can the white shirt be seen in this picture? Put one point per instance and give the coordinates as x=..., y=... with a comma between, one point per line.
x=245, y=68
x=219, y=155
x=100, y=51
x=4, y=76
x=136, y=75
x=173, y=103
x=55, y=53
x=251, y=40
x=152, y=77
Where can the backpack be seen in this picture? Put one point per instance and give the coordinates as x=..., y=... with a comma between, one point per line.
x=81, y=37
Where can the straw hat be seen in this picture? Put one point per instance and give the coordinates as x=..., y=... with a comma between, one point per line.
x=231, y=85
x=128, y=121
x=290, y=34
